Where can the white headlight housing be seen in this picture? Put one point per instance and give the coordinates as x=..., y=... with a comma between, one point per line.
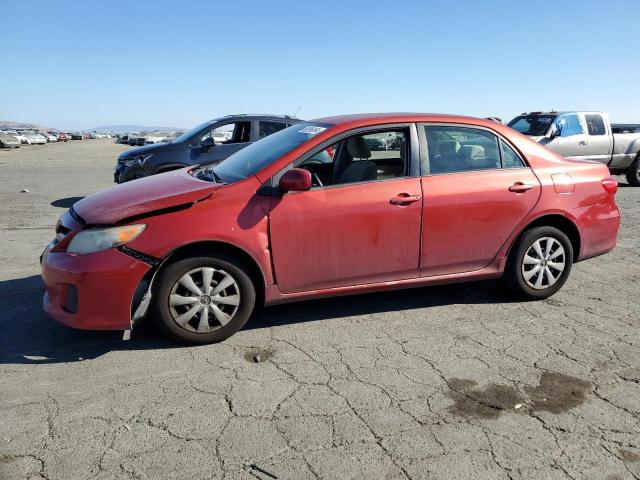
x=97, y=239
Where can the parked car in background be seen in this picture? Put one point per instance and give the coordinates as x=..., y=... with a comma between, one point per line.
x=133, y=139
x=50, y=137
x=585, y=136
x=198, y=145
x=23, y=138
x=9, y=141
x=62, y=137
x=86, y=136
x=466, y=199
x=76, y=136
x=34, y=137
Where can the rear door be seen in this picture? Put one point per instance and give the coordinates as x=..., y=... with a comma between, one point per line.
x=359, y=223
x=600, y=144
x=476, y=190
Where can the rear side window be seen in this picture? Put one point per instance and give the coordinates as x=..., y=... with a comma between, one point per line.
x=461, y=149
x=510, y=159
x=268, y=128
x=595, y=124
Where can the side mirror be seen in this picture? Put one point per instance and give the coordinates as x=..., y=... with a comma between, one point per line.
x=554, y=132
x=208, y=144
x=295, y=180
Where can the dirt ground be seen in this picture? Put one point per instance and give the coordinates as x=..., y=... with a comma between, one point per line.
x=444, y=382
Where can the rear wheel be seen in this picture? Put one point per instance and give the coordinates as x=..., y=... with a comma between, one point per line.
x=203, y=300
x=539, y=264
x=633, y=172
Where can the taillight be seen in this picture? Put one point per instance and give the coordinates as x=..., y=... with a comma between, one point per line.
x=610, y=185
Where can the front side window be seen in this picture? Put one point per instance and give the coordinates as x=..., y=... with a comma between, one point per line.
x=269, y=128
x=460, y=149
x=366, y=157
x=595, y=124
x=237, y=132
x=568, y=125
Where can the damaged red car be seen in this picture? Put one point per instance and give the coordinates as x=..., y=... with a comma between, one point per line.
x=334, y=206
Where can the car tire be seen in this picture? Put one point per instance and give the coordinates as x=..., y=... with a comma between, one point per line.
x=633, y=172
x=183, y=322
x=539, y=264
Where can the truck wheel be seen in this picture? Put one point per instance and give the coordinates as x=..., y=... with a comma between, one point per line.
x=633, y=172
x=539, y=263
x=202, y=300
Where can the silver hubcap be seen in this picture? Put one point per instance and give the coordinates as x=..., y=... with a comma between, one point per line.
x=543, y=263
x=204, y=300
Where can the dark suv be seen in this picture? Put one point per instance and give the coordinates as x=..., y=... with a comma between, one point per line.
x=209, y=142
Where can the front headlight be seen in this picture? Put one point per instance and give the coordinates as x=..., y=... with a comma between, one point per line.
x=96, y=239
x=137, y=160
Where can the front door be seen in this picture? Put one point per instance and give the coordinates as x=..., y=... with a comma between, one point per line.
x=360, y=222
x=572, y=141
x=476, y=192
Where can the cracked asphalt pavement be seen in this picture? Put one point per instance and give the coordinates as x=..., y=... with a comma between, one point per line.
x=444, y=382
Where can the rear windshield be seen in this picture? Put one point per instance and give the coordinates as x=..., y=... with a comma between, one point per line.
x=532, y=125
x=262, y=153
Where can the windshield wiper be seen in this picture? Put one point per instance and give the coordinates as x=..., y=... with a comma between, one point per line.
x=209, y=175
x=216, y=177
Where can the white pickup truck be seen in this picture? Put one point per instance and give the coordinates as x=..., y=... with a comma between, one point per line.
x=586, y=136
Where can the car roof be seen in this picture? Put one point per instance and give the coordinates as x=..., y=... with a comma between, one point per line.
x=256, y=116
x=400, y=117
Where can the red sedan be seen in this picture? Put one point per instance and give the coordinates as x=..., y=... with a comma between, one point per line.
x=329, y=207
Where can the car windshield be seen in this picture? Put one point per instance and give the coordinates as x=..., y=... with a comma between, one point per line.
x=262, y=153
x=532, y=125
x=190, y=133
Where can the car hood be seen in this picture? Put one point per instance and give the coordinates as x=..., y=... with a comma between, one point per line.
x=134, y=152
x=143, y=196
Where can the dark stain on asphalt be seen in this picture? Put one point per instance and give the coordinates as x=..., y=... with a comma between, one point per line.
x=488, y=402
x=556, y=393
x=629, y=456
x=258, y=355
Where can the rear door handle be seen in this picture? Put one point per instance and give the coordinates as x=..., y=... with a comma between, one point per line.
x=520, y=187
x=404, y=199
x=582, y=143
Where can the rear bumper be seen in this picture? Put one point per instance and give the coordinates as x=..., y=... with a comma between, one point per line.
x=598, y=226
x=93, y=291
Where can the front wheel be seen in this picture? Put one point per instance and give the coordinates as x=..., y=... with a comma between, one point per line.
x=202, y=300
x=633, y=172
x=539, y=263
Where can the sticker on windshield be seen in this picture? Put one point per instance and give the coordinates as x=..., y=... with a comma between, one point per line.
x=312, y=130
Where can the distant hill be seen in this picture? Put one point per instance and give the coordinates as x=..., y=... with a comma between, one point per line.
x=130, y=128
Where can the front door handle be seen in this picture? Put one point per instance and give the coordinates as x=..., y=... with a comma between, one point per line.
x=583, y=143
x=404, y=199
x=520, y=187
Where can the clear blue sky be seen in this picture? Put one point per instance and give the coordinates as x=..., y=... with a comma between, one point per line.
x=88, y=63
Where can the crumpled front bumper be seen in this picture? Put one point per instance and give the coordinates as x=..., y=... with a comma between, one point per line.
x=93, y=291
